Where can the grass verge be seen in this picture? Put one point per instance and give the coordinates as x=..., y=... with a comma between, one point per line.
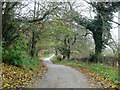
x=101, y=75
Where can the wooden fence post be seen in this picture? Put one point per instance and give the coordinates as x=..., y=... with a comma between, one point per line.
x=0, y=44
x=119, y=68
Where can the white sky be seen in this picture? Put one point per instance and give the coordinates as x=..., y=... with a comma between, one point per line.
x=84, y=10
x=114, y=31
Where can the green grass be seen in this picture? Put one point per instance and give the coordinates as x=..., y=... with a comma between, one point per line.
x=104, y=70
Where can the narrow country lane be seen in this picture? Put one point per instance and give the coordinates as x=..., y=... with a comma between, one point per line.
x=59, y=76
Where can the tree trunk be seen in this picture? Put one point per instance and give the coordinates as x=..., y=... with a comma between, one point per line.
x=68, y=54
x=33, y=45
x=56, y=53
x=97, y=35
x=37, y=52
x=64, y=56
x=68, y=50
x=33, y=34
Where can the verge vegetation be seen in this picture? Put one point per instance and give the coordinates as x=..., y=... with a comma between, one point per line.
x=103, y=76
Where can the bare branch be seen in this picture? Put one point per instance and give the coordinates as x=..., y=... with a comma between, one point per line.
x=47, y=13
x=75, y=38
x=85, y=34
x=115, y=22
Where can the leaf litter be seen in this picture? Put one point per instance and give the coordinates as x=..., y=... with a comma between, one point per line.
x=96, y=80
x=15, y=77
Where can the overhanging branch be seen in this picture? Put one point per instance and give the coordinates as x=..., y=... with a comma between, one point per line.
x=115, y=22
x=47, y=13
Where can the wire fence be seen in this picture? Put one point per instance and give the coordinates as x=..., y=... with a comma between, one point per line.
x=109, y=60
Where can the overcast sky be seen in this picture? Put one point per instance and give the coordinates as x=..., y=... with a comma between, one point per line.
x=84, y=10
x=114, y=31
